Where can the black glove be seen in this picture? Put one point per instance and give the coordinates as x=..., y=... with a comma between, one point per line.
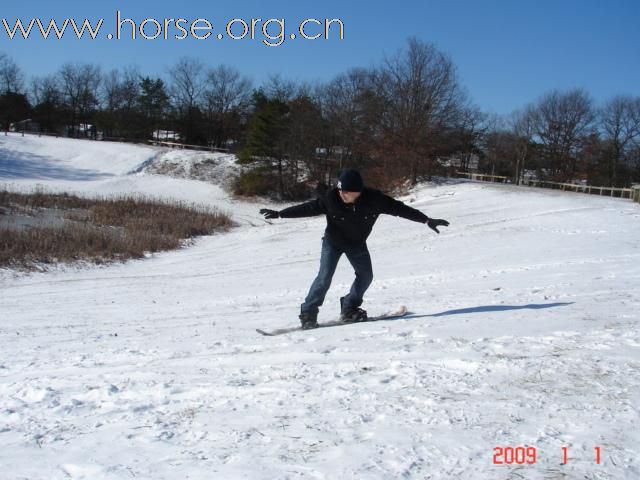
x=268, y=214
x=434, y=223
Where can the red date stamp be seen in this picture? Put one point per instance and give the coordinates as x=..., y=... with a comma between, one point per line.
x=527, y=455
x=515, y=455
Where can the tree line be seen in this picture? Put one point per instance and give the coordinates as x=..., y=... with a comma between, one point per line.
x=397, y=121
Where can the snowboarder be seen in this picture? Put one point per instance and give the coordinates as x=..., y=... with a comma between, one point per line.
x=351, y=210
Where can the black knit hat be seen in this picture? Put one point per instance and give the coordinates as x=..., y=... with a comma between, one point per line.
x=350, y=180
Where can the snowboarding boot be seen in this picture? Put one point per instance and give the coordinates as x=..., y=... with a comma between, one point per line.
x=308, y=320
x=351, y=314
x=354, y=314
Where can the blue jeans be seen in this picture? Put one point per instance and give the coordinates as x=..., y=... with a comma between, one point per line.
x=360, y=261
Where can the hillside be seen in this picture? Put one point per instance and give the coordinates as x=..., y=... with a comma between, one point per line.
x=524, y=331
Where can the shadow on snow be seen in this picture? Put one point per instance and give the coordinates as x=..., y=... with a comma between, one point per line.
x=22, y=165
x=491, y=308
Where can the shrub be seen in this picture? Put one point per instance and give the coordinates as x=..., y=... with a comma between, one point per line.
x=255, y=182
x=98, y=230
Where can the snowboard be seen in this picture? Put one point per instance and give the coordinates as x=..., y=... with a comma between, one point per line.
x=400, y=312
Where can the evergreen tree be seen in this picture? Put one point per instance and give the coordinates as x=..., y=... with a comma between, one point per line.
x=265, y=143
x=153, y=103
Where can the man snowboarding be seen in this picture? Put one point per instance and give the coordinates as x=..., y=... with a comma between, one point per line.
x=351, y=210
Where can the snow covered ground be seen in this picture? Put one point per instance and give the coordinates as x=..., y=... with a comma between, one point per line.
x=524, y=333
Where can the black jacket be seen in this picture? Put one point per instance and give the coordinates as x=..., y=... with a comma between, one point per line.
x=350, y=224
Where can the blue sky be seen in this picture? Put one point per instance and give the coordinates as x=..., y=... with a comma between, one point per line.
x=507, y=53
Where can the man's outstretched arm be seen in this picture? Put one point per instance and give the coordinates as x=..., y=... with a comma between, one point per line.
x=307, y=209
x=395, y=207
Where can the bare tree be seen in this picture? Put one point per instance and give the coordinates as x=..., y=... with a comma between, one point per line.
x=523, y=127
x=11, y=76
x=45, y=90
x=227, y=96
x=466, y=136
x=187, y=83
x=499, y=148
x=187, y=87
x=422, y=98
x=130, y=87
x=347, y=103
x=561, y=122
x=634, y=162
x=620, y=124
x=112, y=90
x=120, y=90
x=79, y=85
x=47, y=100
x=280, y=89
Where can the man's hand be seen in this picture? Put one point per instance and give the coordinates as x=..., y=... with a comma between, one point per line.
x=268, y=214
x=434, y=223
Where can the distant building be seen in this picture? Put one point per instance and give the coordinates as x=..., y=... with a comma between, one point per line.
x=27, y=125
x=166, y=135
x=463, y=161
x=83, y=130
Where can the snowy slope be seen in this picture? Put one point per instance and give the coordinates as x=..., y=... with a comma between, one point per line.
x=524, y=332
x=41, y=158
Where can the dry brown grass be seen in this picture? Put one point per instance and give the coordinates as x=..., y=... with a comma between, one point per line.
x=98, y=230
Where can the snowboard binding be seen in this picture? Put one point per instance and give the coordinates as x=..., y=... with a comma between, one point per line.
x=353, y=315
x=308, y=320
